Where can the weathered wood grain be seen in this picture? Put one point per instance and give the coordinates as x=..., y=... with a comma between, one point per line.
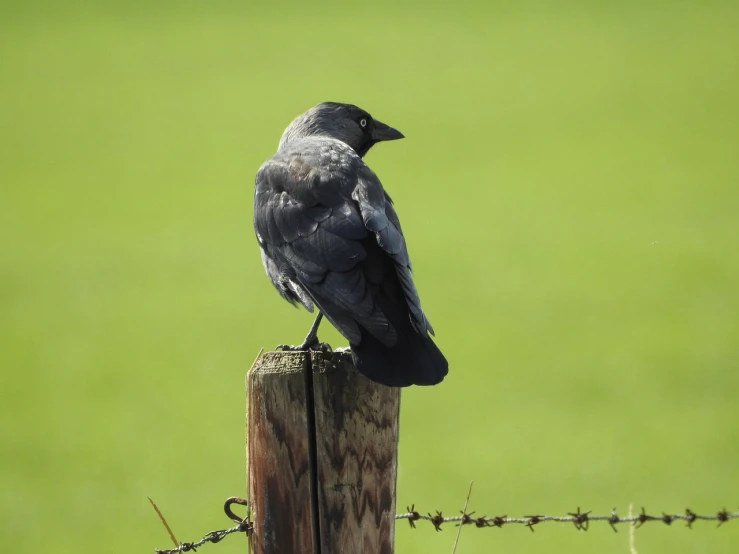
x=357, y=443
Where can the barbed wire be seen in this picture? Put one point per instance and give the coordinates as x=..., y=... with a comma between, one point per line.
x=213, y=536
x=581, y=521
x=244, y=526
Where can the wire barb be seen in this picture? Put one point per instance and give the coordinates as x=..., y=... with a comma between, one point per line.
x=580, y=519
x=413, y=516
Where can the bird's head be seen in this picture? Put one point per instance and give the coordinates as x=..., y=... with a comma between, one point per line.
x=345, y=122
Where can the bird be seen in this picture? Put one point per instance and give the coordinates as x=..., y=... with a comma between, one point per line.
x=330, y=237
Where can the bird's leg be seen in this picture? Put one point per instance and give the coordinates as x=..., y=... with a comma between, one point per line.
x=311, y=339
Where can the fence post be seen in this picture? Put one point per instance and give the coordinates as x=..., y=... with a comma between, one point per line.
x=349, y=439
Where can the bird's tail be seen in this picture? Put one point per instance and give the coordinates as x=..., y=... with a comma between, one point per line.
x=414, y=360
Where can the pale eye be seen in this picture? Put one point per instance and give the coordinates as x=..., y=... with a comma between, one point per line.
x=363, y=123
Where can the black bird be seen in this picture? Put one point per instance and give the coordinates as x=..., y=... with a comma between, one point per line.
x=330, y=237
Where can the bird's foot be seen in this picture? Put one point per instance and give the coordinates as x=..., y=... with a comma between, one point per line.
x=314, y=346
x=343, y=349
x=310, y=342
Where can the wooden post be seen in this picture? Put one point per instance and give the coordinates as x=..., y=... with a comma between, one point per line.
x=351, y=427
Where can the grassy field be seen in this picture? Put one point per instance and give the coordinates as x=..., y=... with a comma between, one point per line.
x=569, y=188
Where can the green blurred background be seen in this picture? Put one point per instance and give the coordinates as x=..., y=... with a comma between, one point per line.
x=568, y=188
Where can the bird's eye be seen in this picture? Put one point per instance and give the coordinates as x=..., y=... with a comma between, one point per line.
x=363, y=122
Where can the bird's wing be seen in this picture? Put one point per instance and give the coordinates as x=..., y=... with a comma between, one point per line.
x=319, y=217
x=379, y=216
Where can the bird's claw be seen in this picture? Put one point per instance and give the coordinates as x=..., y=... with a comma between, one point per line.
x=322, y=347
x=314, y=346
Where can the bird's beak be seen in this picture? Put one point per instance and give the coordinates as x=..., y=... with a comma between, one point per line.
x=381, y=132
